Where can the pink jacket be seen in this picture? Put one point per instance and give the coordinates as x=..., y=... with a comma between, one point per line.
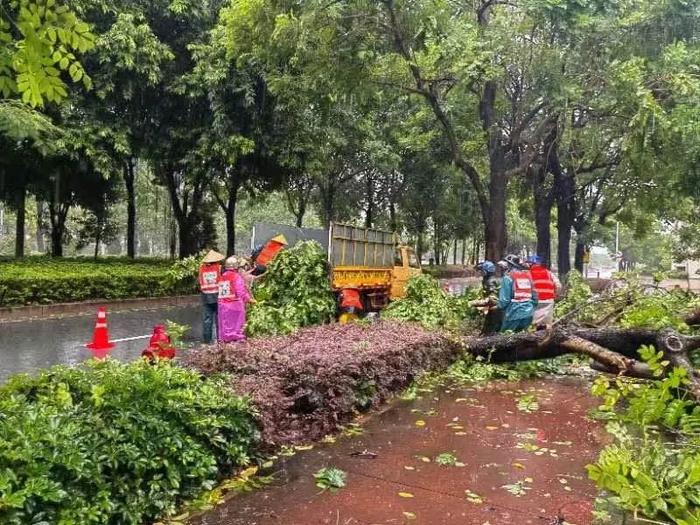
x=232, y=287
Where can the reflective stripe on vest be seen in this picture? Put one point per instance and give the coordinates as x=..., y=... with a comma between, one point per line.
x=208, y=277
x=522, y=287
x=543, y=283
x=227, y=291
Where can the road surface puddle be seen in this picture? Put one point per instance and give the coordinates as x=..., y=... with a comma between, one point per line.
x=497, y=454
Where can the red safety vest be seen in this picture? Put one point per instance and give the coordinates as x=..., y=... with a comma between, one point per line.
x=269, y=251
x=543, y=283
x=227, y=290
x=208, y=277
x=522, y=287
x=350, y=298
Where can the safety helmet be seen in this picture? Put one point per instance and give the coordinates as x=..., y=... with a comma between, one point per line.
x=486, y=266
x=513, y=260
x=535, y=259
x=503, y=265
x=232, y=263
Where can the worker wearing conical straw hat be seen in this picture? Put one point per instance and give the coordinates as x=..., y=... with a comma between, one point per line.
x=209, y=272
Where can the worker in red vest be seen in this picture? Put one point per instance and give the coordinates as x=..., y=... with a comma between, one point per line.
x=209, y=273
x=350, y=305
x=547, y=286
x=263, y=255
x=517, y=298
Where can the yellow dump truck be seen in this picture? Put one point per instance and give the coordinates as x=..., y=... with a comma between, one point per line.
x=368, y=261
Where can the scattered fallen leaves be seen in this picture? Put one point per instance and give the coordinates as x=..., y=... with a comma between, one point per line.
x=420, y=423
x=406, y=495
x=330, y=478
x=528, y=404
x=473, y=497
x=519, y=488
x=446, y=459
x=409, y=515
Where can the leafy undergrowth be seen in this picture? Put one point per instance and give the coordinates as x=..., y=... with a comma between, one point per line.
x=308, y=384
x=41, y=280
x=427, y=304
x=115, y=443
x=628, y=303
x=653, y=467
x=294, y=292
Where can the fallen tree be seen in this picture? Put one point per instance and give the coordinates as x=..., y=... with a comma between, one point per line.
x=614, y=350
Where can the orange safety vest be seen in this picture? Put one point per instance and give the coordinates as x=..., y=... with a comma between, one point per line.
x=269, y=251
x=522, y=287
x=543, y=283
x=227, y=290
x=350, y=298
x=208, y=277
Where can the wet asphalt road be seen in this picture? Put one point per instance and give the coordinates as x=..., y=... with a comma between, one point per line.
x=31, y=345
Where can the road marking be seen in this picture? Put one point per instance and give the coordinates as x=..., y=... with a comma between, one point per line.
x=129, y=339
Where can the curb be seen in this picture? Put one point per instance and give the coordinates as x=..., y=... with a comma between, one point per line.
x=14, y=314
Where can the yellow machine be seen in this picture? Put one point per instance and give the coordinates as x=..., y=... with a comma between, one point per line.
x=370, y=261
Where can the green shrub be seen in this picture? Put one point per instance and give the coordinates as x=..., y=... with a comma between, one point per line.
x=653, y=467
x=115, y=443
x=41, y=280
x=427, y=304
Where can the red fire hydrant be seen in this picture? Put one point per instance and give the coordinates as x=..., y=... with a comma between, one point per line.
x=159, y=346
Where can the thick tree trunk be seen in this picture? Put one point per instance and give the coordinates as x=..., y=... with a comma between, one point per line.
x=41, y=228
x=129, y=183
x=495, y=228
x=565, y=195
x=97, y=244
x=392, y=217
x=231, y=221
x=543, y=203
x=419, y=246
x=464, y=250
x=615, y=349
x=21, y=220
x=299, y=215
x=579, y=254
x=369, y=212
x=454, y=252
x=188, y=241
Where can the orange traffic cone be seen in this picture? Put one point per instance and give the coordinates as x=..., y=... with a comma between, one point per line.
x=100, y=337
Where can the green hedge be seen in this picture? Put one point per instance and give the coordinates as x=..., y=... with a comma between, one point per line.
x=113, y=443
x=41, y=280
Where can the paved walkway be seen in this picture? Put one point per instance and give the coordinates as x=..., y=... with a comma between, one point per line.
x=519, y=452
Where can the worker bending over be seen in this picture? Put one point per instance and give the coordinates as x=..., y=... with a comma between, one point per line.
x=487, y=305
x=547, y=286
x=517, y=298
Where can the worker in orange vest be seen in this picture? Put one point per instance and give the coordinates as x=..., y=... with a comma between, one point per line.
x=350, y=305
x=547, y=286
x=209, y=273
x=263, y=255
x=517, y=298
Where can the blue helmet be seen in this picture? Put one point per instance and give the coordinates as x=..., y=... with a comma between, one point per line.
x=486, y=267
x=535, y=259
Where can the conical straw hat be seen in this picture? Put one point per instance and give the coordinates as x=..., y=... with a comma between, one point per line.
x=213, y=257
x=280, y=239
